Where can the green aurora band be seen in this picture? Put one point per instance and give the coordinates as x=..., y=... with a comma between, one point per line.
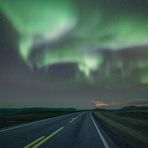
x=73, y=30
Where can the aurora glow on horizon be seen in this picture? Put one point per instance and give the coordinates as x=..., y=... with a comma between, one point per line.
x=98, y=48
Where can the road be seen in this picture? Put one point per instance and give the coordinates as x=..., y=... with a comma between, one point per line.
x=76, y=130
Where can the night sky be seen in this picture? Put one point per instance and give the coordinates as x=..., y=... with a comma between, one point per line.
x=73, y=53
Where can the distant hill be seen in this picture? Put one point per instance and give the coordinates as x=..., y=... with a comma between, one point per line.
x=15, y=116
x=126, y=108
x=134, y=108
x=9, y=111
x=100, y=109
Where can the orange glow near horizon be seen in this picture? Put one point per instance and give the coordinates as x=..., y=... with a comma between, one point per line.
x=99, y=103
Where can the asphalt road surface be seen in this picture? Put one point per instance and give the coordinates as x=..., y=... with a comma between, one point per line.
x=77, y=130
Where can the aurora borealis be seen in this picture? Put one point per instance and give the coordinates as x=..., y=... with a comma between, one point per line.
x=105, y=42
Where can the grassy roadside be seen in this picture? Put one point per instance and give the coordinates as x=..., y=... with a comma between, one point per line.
x=11, y=117
x=125, y=131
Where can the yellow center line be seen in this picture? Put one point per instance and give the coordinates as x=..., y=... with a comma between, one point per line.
x=34, y=142
x=47, y=138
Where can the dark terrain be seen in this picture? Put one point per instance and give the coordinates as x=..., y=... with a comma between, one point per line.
x=127, y=127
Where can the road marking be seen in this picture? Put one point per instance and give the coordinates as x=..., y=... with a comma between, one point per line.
x=99, y=132
x=47, y=138
x=34, y=142
x=72, y=120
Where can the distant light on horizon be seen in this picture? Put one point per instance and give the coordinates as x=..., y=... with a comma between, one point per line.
x=99, y=103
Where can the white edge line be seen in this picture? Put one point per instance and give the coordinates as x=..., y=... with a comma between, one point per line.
x=31, y=123
x=99, y=132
